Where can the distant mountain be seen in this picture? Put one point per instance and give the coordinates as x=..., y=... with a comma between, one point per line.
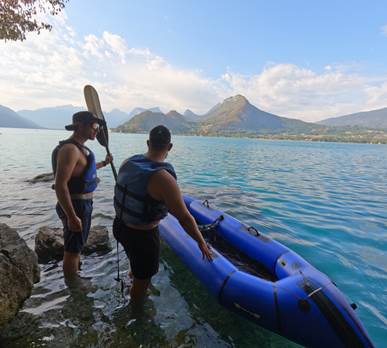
x=137, y=111
x=58, y=116
x=190, y=116
x=52, y=117
x=116, y=117
x=146, y=120
x=11, y=119
x=236, y=114
x=376, y=119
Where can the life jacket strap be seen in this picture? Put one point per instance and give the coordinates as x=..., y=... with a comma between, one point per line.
x=83, y=196
x=127, y=210
x=126, y=192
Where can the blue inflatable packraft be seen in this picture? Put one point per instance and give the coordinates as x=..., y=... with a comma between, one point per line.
x=265, y=281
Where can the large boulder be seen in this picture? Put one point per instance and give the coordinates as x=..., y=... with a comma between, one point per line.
x=19, y=270
x=49, y=242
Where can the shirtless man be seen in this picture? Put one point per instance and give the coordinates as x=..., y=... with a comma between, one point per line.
x=146, y=190
x=74, y=167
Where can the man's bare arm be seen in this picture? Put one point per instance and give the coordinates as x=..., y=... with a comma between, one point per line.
x=67, y=159
x=108, y=159
x=164, y=187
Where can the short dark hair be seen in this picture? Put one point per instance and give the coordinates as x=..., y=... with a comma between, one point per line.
x=159, y=137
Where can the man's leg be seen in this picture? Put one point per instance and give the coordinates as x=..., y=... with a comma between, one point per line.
x=71, y=264
x=138, y=292
x=138, y=289
x=144, y=262
x=74, y=241
x=71, y=258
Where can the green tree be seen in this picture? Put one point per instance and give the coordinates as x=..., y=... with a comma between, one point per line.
x=17, y=17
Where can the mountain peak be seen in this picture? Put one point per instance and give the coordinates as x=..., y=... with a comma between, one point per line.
x=237, y=99
x=188, y=112
x=173, y=113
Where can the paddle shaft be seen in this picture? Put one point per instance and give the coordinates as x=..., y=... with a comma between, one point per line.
x=93, y=105
x=109, y=154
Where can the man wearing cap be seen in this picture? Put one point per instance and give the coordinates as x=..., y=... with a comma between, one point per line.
x=74, y=167
x=145, y=191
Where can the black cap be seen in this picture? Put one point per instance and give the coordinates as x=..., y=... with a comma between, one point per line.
x=159, y=137
x=84, y=117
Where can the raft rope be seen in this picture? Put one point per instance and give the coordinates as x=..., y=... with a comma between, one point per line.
x=314, y=291
x=212, y=225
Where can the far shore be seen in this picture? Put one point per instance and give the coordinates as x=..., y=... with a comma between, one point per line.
x=361, y=137
x=357, y=136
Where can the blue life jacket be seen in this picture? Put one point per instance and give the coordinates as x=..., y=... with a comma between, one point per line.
x=88, y=181
x=132, y=202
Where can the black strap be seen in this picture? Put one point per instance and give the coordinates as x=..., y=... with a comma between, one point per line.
x=78, y=145
x=212, y=225
x=126, y=192
x=223, y=285
x=127, y=210
x=118, y=279
x=348, y=336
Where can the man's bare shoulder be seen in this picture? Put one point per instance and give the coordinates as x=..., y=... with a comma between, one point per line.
x=161, y=183
x=163, y=177
x=69, y=150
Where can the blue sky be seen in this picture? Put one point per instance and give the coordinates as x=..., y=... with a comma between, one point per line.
x=244, y=36
x=301, y=59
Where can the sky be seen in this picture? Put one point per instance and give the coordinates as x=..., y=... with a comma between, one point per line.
x=300, y=59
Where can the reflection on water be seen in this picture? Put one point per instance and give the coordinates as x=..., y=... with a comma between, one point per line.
x=326, y=201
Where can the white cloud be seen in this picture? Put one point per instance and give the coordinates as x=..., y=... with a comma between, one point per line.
x=52, y=68
x=296, y=92
x=384, y=30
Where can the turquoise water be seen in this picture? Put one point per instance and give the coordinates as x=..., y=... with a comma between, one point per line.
x=326, y=201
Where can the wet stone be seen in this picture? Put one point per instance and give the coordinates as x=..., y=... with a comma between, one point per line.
x=19, y=270
x=45, y=177
x=49, y=243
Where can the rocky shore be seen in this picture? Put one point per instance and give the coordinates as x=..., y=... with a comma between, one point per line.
x=19, y=270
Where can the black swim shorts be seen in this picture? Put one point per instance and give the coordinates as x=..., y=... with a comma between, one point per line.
x=74, y=241
x=142, y=248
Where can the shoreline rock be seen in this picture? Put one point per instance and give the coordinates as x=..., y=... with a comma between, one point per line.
x=49, y=243
x=19, y=270
x=45, y=177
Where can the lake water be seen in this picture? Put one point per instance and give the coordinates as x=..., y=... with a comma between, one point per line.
x=326, y=201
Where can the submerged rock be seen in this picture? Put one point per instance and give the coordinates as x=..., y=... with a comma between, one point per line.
x=45, y=177
x=98, y=241
x=49, y=242
x=19, y=270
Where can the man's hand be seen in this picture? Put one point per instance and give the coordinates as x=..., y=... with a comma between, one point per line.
x=75, y=224
x=206, y=251
x=108, y=159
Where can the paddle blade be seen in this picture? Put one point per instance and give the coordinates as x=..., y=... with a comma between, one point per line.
x=94, y=106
